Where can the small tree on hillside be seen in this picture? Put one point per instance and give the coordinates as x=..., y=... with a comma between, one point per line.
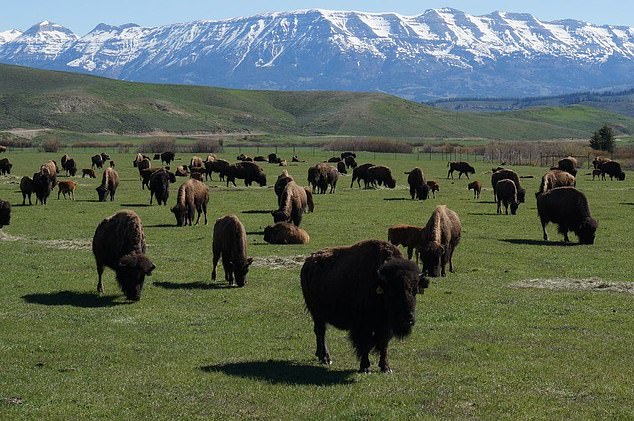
x=603, y=139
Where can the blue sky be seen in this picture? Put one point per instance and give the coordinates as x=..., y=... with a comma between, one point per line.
x=81, y=15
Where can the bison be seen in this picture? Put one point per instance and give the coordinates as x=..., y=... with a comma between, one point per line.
x=159, y=185
x=167, y=157
x=476, y=186
x=249, y=171
x=418, y=188
x=66, y=188
x=42, y=186
x=507, y=195
x=217, y=165
x=361, y=173
x=285, y=233
x=88, y=172
x=350, y=162
x=462, y=168
x=367, y=289
x=442, y=235
x=5, y=166
x=5, y=213
x=433, y=187
x=569, y=165
x=27, y=187
x=119, y=243
x=321, y=176
x=599, y=160
x=97, y=161
x=555, y=178
x=193, y=195
x=341, y=167
x=293, y=202
x=109, y=184
x=230, y=242
x=407, y=236
x=505, y=174
x=613, y=169
x=568, y=208
x=379, y=175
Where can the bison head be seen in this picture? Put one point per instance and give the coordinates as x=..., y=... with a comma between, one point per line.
x=398, y=282
x=131, y=272
x=587, y=230
x=521, y=194
x=620, y=176
x=240, y=270
x=261, y=179
x=102, y=191
x=431, y=255
x=180, y=212
x=5, y=213
x=390, y=182
x=514, y=206
x=422, y=192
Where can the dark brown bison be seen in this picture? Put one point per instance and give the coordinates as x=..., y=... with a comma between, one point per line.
x=146, y=174
x=138, y=158
x=348, y=154
x=442, y=235
x=217, y=165
x=159, y=185
x=193, y=195
x=285, y=233
x=613, y=169
x=42, y=186
x=407, y=236
x=433, y=187
x=260, y=158
x=3, y=148
x=119, y=243
x=598, y=174
x=476, y=186
x=341, y=167
x=505, y=174
x=599, y=160
x=5, y=213
x=418, y=188
x=109, y=184
x=167, y=157
x=334, y=159
x=88, y=172
x=361, y=173
x=230, y=242
x=142, y=165
x=462, y=168
x=321, y=176
x=249, y=171
x=292, y=204
x=379, y=175
x=27, y=187
x=555, y=178
x=70, y=166
x=97, y=161
x=507, y=195
x=5, y=166
x=568, y=208
x=367, y=289
x=569, y=165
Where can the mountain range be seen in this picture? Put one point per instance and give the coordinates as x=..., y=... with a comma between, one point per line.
x=441, y=53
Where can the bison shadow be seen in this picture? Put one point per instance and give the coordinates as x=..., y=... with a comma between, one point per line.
x=191, y=285
x=161, y=226
x=75, y=299
x=284, y=372
x=136, y=205
x=396, y=198
x=257, y=211
x=526, y=242
x=627, y=203
x=255, y=233
x=88, y=200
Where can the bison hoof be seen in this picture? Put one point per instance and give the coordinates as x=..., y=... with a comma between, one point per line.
x=365, y=370
x=325, y=360
x=386, y=369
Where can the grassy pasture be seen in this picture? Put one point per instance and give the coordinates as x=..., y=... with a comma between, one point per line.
x=192, y=349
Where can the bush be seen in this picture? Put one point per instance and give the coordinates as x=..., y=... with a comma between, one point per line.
x=369, y=145
x=206, y=146
x=12, y=141
x=51, y=145
x=159, y=145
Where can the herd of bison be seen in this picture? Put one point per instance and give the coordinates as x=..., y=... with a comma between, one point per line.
x=368, y=288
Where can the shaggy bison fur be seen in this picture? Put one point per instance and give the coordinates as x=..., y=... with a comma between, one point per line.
x=569, y=165
x=507, y=195
x=568, y=208
x=442, y=235
x=367, y=289
x=109, y=184
x=193, y=195
x=293, y=202
x=462, y=168
x=285, y=233
x=119, y=243
x=5, y=213
x=249, y=171
x=230, y=242
x=555, y=178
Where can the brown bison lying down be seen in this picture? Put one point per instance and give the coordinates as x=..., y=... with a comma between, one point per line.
x=367, y=289
x=230, y=242
x=568, y=208
x=119, y=243
x=5, y=213
x=285, y=233
x=442, y=235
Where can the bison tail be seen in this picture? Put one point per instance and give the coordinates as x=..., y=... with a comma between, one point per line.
x=309, y=200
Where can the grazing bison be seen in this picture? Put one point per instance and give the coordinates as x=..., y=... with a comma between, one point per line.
x=70, y=166
x=507, y=195
x=285, y=233
x=367, y=289
x=476, y=186
x=555, y=178
x=293, y=203
x=442, y=235
x=66, y=188
x=418, y=188
x=230, y=242
x=433, y=187
x=361, y=173
x=462, y=168
x=217, y=165
x=613, y=169
x=350, y=162
x=42, y=186
x=598, y=174
x=379, y=175
x=167, y=157
x=569, y=165
x=505, y=174
x=5, y=166
x=159, y=185
x=142, y=165
x=407, y=236
x=260, y=158
x=109, y=184
x=193, y=195
x=249, y=171
x=27, y=188
x=341, y=167
x=119, y=243
x=146, y=174
x=321, y=176
x=568, y=208
x=97, y=161
x=5, y=213
x=88, y=172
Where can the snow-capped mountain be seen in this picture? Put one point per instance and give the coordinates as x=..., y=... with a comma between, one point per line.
x=442, y=52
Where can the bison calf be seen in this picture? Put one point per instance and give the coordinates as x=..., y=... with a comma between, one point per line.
x=285, y=233
x=408, y=236
x=5, y=213
x=476, y=186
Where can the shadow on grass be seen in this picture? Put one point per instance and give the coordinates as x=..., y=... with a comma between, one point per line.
x=257, y=211
x=161, y=226
x=191, y=285
x=255, y=233
x=284, y=372
x=137, y=205
x=526, y=242
x=89, y=200
x=627, y=203
x=75, y=299
x=396, y=198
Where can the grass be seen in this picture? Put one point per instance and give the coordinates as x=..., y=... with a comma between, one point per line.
x=481, y=348
x=32, y=98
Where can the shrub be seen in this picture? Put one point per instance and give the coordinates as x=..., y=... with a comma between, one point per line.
x=369, y=145
x=158, y=145
x=51, y=145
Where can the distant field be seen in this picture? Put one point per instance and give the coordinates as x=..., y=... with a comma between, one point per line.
x=486, y=345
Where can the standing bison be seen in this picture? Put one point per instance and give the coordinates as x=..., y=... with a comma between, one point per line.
x=293, y=202
x=249, y=171
x=461, y=167
x=418, y=188
x=5, y=213
x=379, y=175
x=504, y=174
x=507, y=195
x=160, y=185
x=361, y=173
x=193, y=195
x=442, y=235
x=97, y=161
x=555, y=178
x=5, y=166
x=109, y=184
x=569, y=165
x=119, y=243
x=613, y=169
x=230, y=242
x=367, y=289
x=568, y=208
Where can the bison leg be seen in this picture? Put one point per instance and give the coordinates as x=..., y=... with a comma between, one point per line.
x=363, y=343
x=99, y=283
x=544, y=230
x=451, y=268
x=450, y=173
x=384, y=364
x=410, y=250
x=499, y=207
x=320, y=336
x=216, y=257
x=205, y=212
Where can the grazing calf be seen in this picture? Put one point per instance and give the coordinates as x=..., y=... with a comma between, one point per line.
x=442, y=235
x=476, y=186
x=230, y=242
x=27, y=188
x=407, y=236
x=367, y=289
x=418, y=188
x=193, y=195
x=109, y=184
x=462, y=168
x=555, y=178
x=380, y=174
x=361, y=173
x=285, y=233
x=433, y=187
x=5, y=213
x=568, y=208
x=119, y=243
x=293, y=202
x=598, y=173
x=507, y=195
x=505, y=174
x=66, y=188
x=88, y=172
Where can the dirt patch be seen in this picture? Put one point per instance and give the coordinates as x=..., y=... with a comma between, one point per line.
x=278, y=262
x=52, y=244
x=588, y=284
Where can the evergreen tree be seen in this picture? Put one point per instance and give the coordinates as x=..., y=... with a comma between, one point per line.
x=603, y=139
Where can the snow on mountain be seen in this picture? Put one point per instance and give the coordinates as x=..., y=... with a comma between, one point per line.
x=441, y=52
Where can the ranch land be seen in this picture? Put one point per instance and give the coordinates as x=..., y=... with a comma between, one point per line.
x=525, y=328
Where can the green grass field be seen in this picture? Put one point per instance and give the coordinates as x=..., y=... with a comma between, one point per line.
x=482, y=347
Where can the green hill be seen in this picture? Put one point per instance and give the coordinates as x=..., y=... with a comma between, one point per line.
x=32, y=98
